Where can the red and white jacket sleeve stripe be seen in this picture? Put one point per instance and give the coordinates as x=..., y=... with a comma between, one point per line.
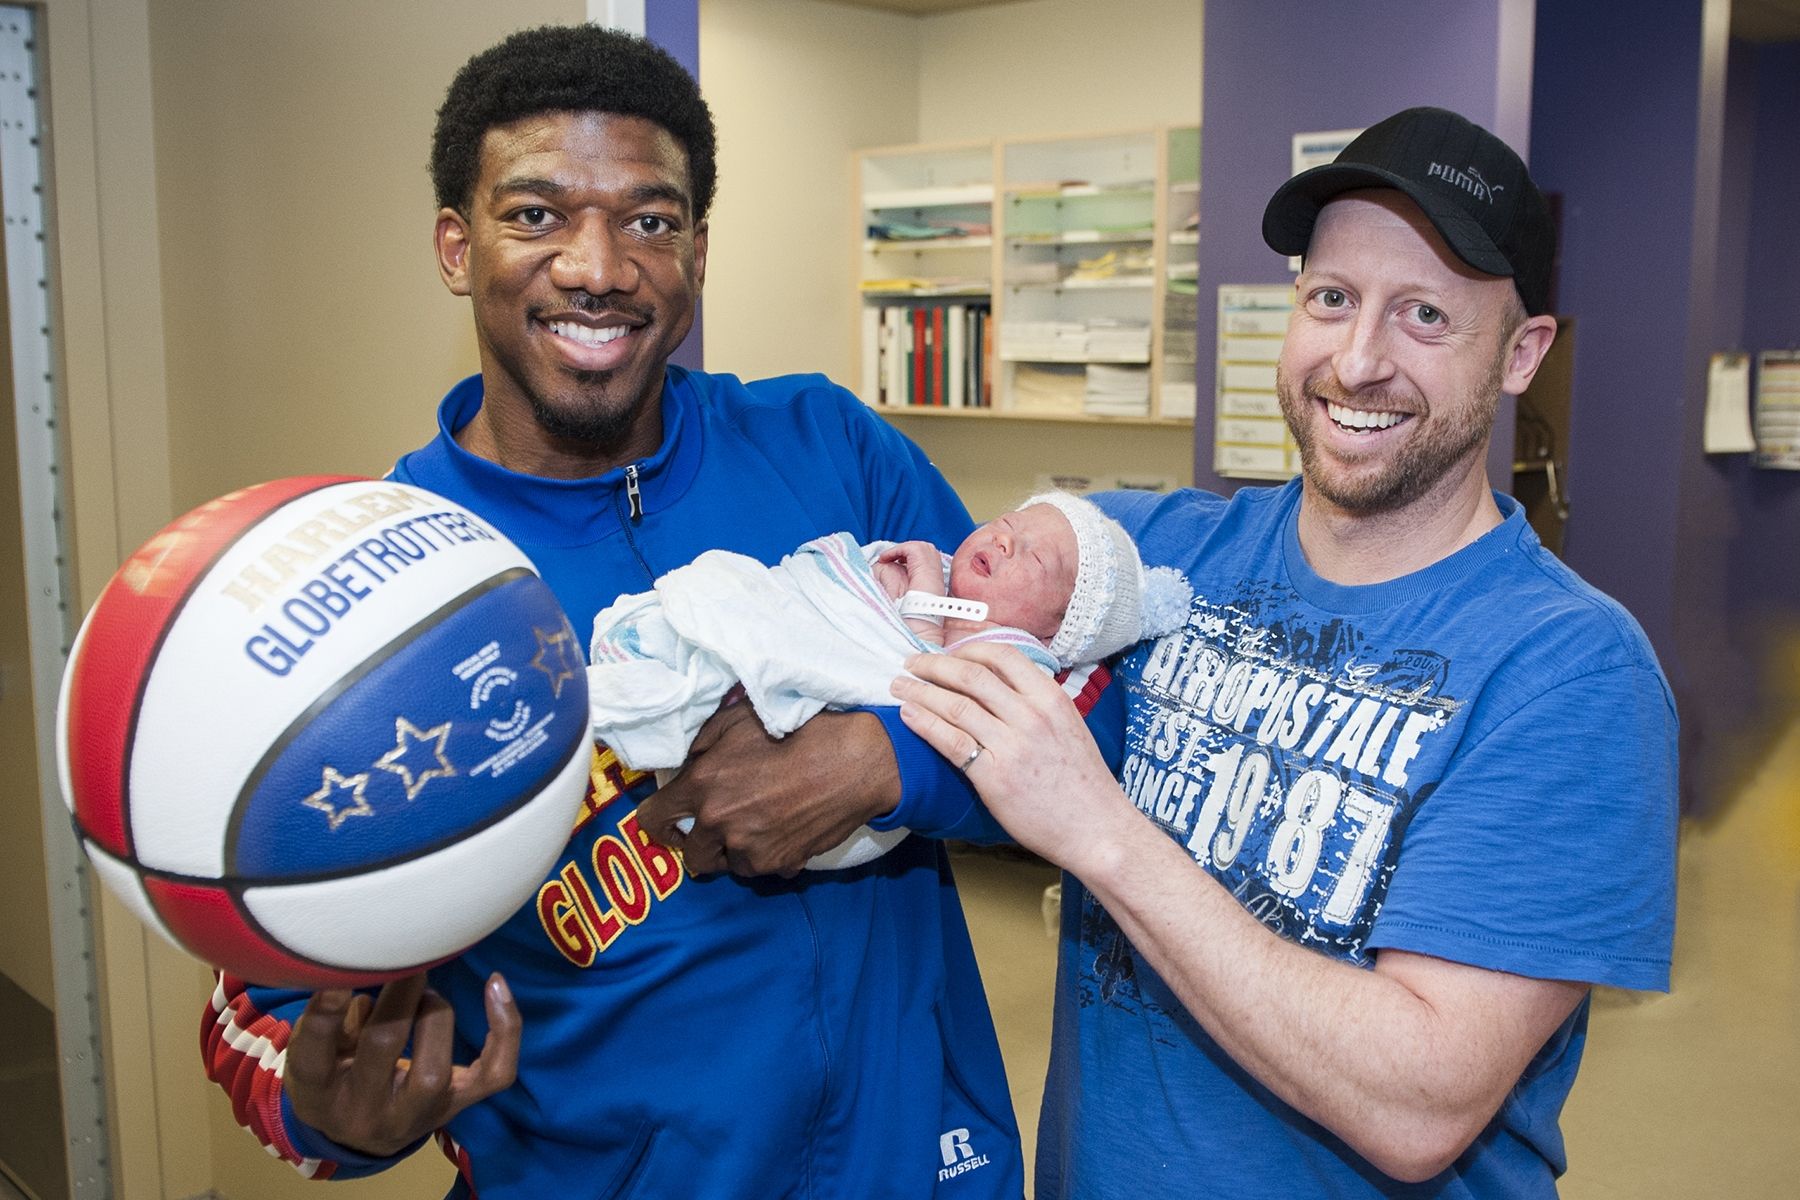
x=245, y=1051
x=1084, y=683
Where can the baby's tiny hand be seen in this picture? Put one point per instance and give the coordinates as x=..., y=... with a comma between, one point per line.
x=913, y=567
x=921, y=566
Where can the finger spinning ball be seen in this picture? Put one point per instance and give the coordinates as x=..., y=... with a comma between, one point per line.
x=324, y=731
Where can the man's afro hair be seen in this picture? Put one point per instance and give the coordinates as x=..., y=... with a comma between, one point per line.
x=569, y=68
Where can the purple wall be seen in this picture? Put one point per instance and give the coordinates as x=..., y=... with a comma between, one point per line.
x=1654, y=270
x=1766, y=565
x=1773, y=273
x=1678, y=240
x=1714, y=666
x=1759, y=547
x=1274, y=68
x=1622, y=154
x=675, y=26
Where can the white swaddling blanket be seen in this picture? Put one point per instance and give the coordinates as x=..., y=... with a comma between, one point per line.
x=814, y=630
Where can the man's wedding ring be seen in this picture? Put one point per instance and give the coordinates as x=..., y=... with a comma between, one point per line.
x=968, y=762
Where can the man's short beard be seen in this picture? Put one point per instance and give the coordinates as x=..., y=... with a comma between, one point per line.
x=1420, y=465
x=598, y=425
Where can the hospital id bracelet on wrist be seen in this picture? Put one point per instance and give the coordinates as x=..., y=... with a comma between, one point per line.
x=924, y=604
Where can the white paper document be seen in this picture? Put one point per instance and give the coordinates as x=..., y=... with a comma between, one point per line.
x=1727, y=429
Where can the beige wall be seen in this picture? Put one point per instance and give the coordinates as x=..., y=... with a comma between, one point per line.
x=1049, y=66
x=995, y=465
x=306, y=327
x=798, y=84
x=795, y=86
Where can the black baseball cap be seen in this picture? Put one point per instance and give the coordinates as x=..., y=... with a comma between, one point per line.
x=1470, y=185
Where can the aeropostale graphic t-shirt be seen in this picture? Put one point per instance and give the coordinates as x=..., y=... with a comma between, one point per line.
x=1475, y=762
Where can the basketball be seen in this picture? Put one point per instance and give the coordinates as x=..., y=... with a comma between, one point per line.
x=324, y=731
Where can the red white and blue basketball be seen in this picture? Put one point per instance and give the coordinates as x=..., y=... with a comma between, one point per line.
x=324, y=731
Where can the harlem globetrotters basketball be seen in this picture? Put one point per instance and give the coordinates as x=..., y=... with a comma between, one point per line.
x=324, y=731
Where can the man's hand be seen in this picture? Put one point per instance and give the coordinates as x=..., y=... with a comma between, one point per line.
x=346, y=1076
x=1037, y=767
x=762, y=805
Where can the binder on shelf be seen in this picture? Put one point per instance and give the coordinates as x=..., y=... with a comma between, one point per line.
x=937, y=338
x=926, y=355
x=870, y=384
x=893, y=369
x=976, y=358
x=921, y=355
x=987, y=359
x=956, y=355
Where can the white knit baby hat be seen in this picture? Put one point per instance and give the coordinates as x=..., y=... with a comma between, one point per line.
x=1116, y=601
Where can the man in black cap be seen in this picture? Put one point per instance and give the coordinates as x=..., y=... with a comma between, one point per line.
x=1398, y=794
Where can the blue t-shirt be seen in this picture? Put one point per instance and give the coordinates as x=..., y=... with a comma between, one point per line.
x=1475, y=761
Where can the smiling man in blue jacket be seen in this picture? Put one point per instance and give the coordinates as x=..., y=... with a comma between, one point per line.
x=642, y=1030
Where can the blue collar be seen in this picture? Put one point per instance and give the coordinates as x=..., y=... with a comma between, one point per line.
x=1446, y=574
x=565, y=512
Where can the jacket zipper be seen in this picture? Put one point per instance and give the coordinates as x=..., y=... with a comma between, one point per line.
x=635, y=499
x=631, y=491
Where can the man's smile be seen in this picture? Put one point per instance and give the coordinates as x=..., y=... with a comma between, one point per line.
x=585, y=344
x=1362, y=421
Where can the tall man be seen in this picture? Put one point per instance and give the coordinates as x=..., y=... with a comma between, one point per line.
x=1398, y=794
x=640, y=1030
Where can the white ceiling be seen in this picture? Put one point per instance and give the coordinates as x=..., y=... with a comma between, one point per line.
x=1751, y=20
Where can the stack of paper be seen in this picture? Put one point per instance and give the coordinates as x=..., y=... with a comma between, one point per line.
x=1076, y=341
x=1181, y=328
x=1117, y=391
x=1044, y=340
x=1058, y=388
x=1111, y=338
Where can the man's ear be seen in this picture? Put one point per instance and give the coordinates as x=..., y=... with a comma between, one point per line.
x=452, y=238
x=700, y=232
x=1530, y=342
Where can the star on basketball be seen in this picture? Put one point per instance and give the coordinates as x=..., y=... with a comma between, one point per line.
x=409, y=738
x=556, y=657
x=329, y=799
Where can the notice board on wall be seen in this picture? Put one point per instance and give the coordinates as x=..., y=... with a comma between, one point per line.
x=1778, y=410
x=1250, y=438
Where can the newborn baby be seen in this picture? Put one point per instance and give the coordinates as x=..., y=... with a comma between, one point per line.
x=1021, y=566
x=832, y=622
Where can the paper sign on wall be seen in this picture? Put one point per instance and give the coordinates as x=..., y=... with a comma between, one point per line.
x=1728, y=406
x=1250, y=437
x=1315, y=150
x=1778, y=410
x=1081, y=484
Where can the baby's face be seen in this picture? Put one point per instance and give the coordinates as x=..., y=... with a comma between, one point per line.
x=1023, y=565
